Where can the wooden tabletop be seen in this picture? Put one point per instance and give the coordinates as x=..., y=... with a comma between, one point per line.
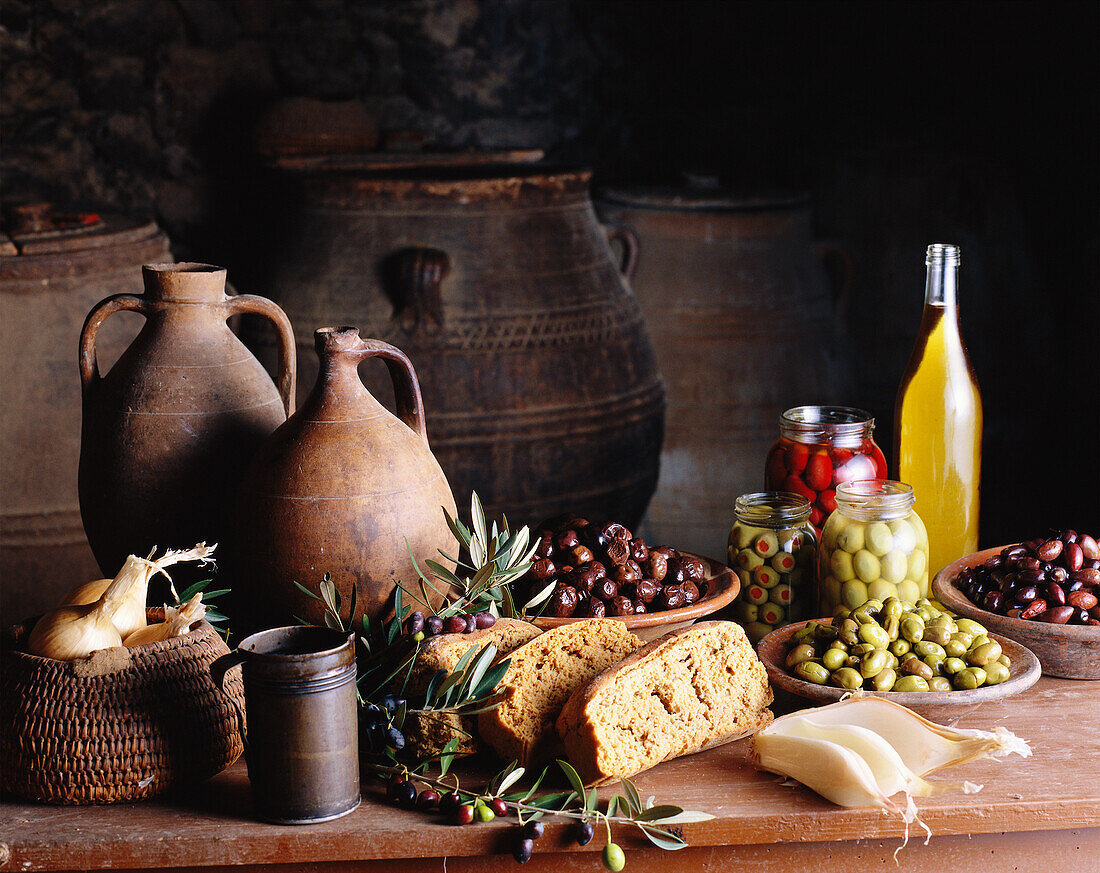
x=1040, y=814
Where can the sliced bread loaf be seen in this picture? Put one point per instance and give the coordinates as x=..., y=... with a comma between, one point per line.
x=428, y=735
x=694, y=688
x=544, y=672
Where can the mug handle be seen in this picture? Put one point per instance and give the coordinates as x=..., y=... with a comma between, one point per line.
x=218, y=669
x=288, y=365
x=89, y=366
x=406, y=387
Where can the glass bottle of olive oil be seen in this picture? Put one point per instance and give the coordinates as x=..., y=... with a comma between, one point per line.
x=938, y=419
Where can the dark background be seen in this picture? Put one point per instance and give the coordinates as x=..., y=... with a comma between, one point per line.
x=908, y=123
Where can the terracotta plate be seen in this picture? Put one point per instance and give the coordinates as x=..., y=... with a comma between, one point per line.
x=1070, y=651
x=722, y=587
x=1025, y=672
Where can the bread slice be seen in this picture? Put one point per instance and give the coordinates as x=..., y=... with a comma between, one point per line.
x=428, y=735
x=544, y=672
x=694, y=688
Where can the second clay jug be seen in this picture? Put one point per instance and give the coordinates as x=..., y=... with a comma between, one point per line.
x=344, y=487
x=168, y=432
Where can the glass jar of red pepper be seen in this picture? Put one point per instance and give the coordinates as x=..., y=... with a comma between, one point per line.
x=820, y=447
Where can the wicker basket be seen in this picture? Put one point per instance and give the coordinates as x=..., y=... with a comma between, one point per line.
x=118, y=725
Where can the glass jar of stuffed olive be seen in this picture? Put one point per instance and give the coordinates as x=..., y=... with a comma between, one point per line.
x=873, y=547
x=772, y=547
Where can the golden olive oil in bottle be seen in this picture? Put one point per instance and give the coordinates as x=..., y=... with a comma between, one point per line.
x=938, y=419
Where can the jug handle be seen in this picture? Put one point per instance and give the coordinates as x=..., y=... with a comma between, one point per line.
x=89, y=366
x=218, y=670
x=406, y=387
x=624, y=234
x=288, y=361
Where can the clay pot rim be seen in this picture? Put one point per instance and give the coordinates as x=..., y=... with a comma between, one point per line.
x=462, y=184
x=183, y=267
x=676, y=200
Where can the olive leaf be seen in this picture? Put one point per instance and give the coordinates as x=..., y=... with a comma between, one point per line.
x=511, y=779
x=447, y=756
x=656, y=813
x=686, y=817
x=634, y=801
x=542, y=596
x=557, y=800
x=574, y=778
x=662, y=839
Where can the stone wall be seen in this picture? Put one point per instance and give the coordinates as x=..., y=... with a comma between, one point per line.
x=144, y=105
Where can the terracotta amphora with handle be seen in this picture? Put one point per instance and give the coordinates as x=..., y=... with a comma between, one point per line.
x=168, y=432
x=344, y=487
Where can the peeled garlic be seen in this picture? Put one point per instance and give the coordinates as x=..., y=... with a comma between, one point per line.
x=923, y=745
x=131, y=614
x=176, y=623
x=863, y=750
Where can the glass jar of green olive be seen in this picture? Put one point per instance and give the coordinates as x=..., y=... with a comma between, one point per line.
x=873, y=547
x=772, y=547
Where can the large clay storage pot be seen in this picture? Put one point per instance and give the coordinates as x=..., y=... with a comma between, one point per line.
x=52, y=271
x=169, y=431
x=343, y=487
x=744, y=326
x=499, y=284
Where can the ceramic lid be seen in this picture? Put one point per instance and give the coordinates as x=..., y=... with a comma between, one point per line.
x=37, y=229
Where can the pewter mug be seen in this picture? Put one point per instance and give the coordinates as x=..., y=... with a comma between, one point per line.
x=302, y=740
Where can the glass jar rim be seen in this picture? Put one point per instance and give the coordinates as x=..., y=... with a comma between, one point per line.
x=823, y=421
x=875, y=495
x=778, y=508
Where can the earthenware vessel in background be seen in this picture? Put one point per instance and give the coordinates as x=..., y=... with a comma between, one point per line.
x=168, y=432
x=344, y=487
x=743, y=325
x=53, y=269
x=497, y=280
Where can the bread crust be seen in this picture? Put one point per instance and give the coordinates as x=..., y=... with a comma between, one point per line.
x=428, y=736
x=543, y=674
x=692, y=689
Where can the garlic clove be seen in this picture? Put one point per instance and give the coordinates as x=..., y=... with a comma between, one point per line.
x=924, y=746
x=177, y=622
x=71, y=632
x=834, y=771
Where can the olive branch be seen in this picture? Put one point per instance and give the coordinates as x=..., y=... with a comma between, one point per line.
x=497, y=557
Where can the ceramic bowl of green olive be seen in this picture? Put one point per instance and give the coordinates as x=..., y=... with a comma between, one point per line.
x=916, y=654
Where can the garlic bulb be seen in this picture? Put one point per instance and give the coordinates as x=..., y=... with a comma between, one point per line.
x=73, y=631
x=88, y=592
x=70, y=632
x=176, y=623
x=863, y=750
x=131, y=615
